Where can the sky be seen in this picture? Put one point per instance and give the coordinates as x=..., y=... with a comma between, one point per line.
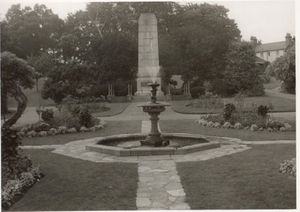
x=268, y=20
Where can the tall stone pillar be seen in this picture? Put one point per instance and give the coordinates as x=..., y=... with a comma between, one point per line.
x=148, y=61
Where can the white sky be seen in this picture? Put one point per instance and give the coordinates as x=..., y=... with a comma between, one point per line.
x=269, y=21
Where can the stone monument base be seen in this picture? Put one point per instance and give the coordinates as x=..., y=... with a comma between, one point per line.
x=143, y=88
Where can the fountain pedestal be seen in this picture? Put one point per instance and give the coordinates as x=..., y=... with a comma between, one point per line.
x=154, y=108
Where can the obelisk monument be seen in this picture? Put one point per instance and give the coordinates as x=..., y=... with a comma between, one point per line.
x=148, y=62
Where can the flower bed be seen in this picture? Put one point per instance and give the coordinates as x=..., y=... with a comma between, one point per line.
x=245, y=121
x=288, y=167
x=14, y=189
x=42, y=129
x=71, y=119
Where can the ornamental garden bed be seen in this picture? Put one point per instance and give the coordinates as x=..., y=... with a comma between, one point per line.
x=256, y=119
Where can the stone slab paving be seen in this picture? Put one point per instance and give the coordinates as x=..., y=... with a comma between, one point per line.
x=41, y=147
x=159, y=186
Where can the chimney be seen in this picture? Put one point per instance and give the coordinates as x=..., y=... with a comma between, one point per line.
x=253, y=40
x=288, y=40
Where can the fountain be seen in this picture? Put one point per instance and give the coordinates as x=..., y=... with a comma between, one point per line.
x=155, y=142
x=153, y=108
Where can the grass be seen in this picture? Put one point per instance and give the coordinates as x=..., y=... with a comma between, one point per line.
x=189, y=126
x=74, y=184
x=115, y=108
x=247, y=180
x=112, y=127
x=279, y=105
x=274, y=83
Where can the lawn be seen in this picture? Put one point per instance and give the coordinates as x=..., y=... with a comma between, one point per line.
x=115, y=108
x=279, y=105
x=189, y=126
x=112, y=127
x=274, y=83
x=247, y=180
x=73, y=184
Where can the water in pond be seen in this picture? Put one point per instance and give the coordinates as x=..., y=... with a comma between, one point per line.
x=174, y=142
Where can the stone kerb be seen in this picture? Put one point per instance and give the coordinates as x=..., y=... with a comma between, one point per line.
x=210, y=142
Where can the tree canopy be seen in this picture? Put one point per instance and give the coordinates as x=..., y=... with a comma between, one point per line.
x=15, y=74
x=284, y=68
x=102, y=40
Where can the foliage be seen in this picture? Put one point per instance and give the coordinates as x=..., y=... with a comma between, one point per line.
x=202, y=34
x=16, y=187
x=241, y=73
x=42, y=63
x=263, y=110
x=228, y=111
x=30, y=31
x=47, y=115
x=197, y=91
x=288, y=167
x=15, y=74
x=284, y=69
x=85, y=118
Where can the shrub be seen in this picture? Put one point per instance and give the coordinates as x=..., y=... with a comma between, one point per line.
x=85, y=118
x=15, y=187
x=197, y=91
x=248, y=118
x=228, y=110
x=13, y=164
x=42, y=126
x=176, y=91
x=274, y=124
x=288, y=167
x=214, y=118
x=262, y=110
x=47, y=115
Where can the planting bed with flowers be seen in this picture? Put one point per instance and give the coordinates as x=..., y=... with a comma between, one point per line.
x=70, y=119
x=18, y=173
x=288, y=167
x=256, y=119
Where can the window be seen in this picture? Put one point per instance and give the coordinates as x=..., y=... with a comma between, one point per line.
x=269, y=53
x=262, y=54
x=277, y=52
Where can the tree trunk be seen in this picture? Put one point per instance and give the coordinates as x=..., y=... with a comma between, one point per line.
x=4, y=108
x=22, y=103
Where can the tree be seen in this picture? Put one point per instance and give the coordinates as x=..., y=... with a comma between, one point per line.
x=42, y=64
x=202, y=34
x=30, y=31
x=16, y=74
x=241, y=73
x=284, y=68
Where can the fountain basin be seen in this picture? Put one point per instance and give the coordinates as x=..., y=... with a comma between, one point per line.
x=128, y=145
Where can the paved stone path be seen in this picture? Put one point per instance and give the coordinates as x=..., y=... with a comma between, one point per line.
x=159, y=186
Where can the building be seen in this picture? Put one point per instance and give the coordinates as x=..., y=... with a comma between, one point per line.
x=271, y=51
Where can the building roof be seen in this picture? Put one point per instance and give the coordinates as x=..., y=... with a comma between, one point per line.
x=258, y=60
x=281, y=45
